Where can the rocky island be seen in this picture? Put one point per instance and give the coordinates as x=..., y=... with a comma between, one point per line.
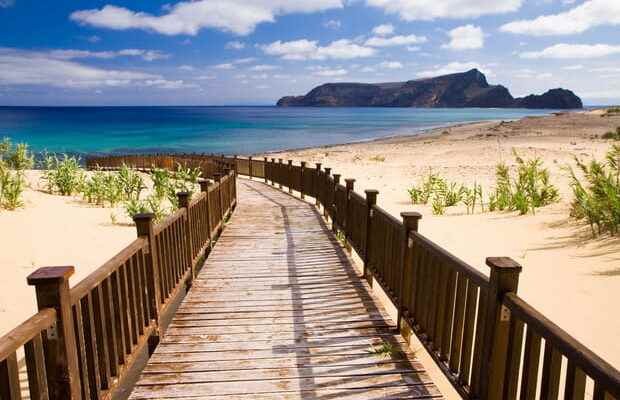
x=465, y=89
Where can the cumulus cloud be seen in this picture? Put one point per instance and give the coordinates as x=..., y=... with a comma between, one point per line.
x=588, y=15
x=304, y=49
x=573, y=51
x=400, y=40
x=411, y=10
x=187, y=68
x=329, y=72
x=383, y=30
x=453, y=68
x=264, y=67
x=189, y=17
x=391, y=65
x=147, y=55
x=235, y=45
x=36, y=68
x=467, y=37
x=332, y=24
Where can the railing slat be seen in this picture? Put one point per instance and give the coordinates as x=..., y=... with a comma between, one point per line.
x=9, y=379
x=531, y=360
x=575, y=382
x=552, y=364
x=35, y=366
x=99, y=318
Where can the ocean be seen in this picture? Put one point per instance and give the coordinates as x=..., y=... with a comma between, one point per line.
x=225, y=130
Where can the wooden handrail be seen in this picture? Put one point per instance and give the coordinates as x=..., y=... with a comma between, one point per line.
x=98, y=328
x=24, y=332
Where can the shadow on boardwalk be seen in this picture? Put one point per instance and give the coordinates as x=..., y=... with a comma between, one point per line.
x=279, y=312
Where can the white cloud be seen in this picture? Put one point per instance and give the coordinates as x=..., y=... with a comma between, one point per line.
x=188, y=68
x=391, y=65
x=264, y=67
x=304, y=49
x=93, y=39
x=467, y=37
x=367, y=69
x=206, y=77
x=246, y=60
x=34, y=68
x=235, y=45
x=383, y=30
x=411, y=10
x=327, y=72
x=189, y=17
x=454, y=67
x=6, y=3
x=224, y=66
x=413, y=48
x=70, y=54
x=332, y=24
x=587, y=15
x=263, y=87
x=400, y=40
x=574, y=51
x=573, y=67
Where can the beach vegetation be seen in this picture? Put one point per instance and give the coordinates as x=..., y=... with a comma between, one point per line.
x=12, y=185
x=431, y=184
x=530, y=189
x=439, y=207
x=130, y=182
x=471, y=197
x=63, y=175
x=596, y=198
x=613, y=135
x=134, y=207
x=611, y=111
x=385, y=350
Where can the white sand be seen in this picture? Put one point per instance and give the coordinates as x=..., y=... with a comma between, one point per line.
x=570, y=277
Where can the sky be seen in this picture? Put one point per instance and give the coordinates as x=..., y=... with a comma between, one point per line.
x=252, y=52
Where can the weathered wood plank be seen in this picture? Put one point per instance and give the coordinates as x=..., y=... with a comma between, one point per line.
x=279, y=312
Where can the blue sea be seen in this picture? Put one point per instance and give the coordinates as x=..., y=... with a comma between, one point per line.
x=226, y=130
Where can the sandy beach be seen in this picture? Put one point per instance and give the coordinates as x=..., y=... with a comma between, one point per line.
x=571, y=277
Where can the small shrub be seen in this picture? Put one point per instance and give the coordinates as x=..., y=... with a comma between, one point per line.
x=155, y=206
x=64, y=176
x=12, y=185
x=130, y=182
x=612, y=135
x=431, y=184
x=530, y=190
x=161, y=181
x=597, y=200
x=134, y=207
x=439, y=208
x=472, y=196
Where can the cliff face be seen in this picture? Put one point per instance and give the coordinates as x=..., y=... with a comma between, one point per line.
x=467, y=89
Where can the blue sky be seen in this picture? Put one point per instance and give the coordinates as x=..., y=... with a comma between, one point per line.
x=215, y=52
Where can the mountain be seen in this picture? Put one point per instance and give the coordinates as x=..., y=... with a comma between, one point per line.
x=466, y=89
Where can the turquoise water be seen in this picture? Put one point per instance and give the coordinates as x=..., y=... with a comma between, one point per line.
x=228, y=130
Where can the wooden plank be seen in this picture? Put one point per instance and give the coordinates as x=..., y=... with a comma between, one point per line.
x=279, y=311
x=35, y=366
x=9, y=379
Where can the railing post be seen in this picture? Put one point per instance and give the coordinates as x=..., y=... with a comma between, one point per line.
x=371, y=200
x=250, y=167
x=184, y=198
x=273, y=173
x=335, y=210
x=144, y=227
x=504, y=278
x=61, y=360
x=218, y=183
x=280, y=174
x=350, y=183
x=204, y=187
x=328, y=171
x=265, y=169
x=301, y=185
x=315, y=184
x=411, y=222
x=290, y=176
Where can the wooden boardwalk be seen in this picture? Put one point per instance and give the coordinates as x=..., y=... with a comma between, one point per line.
x=279, y=312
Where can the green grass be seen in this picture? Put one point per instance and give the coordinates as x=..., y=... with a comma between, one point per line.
x=529, y=190
x=612, y=135
x=596, y=197
x=14, y=160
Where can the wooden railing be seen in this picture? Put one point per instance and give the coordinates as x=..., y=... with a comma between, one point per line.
x=487, y=341
x=84, y=339
x=471, y=324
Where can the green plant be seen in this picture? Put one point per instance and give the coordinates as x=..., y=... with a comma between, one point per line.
x=112, y=189
x=341, y=237
x=113, y=218
x=597, y=200
x=439, y=207
x=431, y=184
x=130, y=182
x=134, y=207
x=12, y=187
x=530, y=190
x=385, y=350
x=612, y=135
x=5, y=148
x=154, y=205
x=186, y=178
x=472, y=196
x=64, y=176
x=21, y=159
x=161, y=181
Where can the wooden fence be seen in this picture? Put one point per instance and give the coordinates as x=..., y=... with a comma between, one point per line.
x=488, y=341
x=84, y=339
